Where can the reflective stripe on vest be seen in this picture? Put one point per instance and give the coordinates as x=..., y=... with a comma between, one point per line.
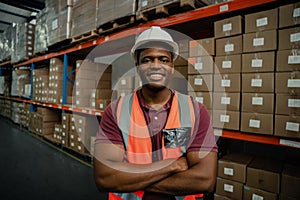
x=137, y=141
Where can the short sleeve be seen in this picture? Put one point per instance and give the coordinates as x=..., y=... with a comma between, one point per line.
x=203, y=138
x=109, y=131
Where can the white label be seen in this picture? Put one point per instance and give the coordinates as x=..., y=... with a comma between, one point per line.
x=72, y=136
x=200, y=99
x=63, y=142
x=293, y=83
x=228, y=171
x=224, y=8
x=72, y=144
x=296, y=12
x=227, y=27
x=199, y=66
x=123, y=82
x=80, y=130
x=226, y=64
x=225, y=100
x=262, y=22
x=80, y=121
x=295, y=37
x=290, y=143
x=291, y=126
x=78, y=64
x=63, y=134
x=101, y=106
x=79, y=148
x=258, y=42
x=256, y=83
x=254, y=123
x=256, y=63
x=144, y=3
x=198, y=81
x=294, y=60
x=229, y=47
x=225, y=118
x=218, y=132
x=257, y=197
x=228, y=188
x=79, y=139
x=77, y=93
x=54, y=24
x=225, y=83
x=294, y=103
x=259, y=101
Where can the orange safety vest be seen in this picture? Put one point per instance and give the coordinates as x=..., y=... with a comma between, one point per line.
x=133, y=126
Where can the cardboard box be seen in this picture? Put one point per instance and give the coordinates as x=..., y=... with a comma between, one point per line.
x=261, y=21
x=234, y=167
x=290, y=180
x=286, y=197
x=180, y=71
x=258, y=82
x=287, y=82
x=179, y=83
x=288, y=60
x=226, y=119
x=228, y=27
x=125, y=82
x=182, y=59
x=220, y=197
x=251, y=193
x=226, y=101
x=203, y=47
x=289, y=15
x=227, y=82
x=287, y=104
x=258, y=62
x=260, y=41
x=201, y=65
x=183, y=45
x=258, y=102
x=257, y=123
x=203, y=97
x=228, y=188
x=287, y=126
x=229, y=46
x=289, y=38
x=200, y=83
x=264, y=174
x=228, y=64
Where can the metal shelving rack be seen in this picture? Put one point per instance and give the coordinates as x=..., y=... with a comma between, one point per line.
x=175, y=20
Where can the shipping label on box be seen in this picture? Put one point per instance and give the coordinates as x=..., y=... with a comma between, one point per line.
x=201, y=65
x=233, y=167
x=228, y=188
x=289, y=38
x=261, y=21
x=257, y=123
x=251, y=193
x=260, y=41
x=287, y=104
x=200, y=83
x=229, y=46
x=226, y=101
x=228, y=64
x=228, y=27
x=227, y=82
x=289, y=15
x=287, y=126
x=258, y=82
x=258, y=62
x=258, y=102
x=226, y=119
x=288, y=60
x=203, y=98
x=287, y=82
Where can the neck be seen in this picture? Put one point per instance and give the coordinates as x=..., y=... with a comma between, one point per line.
x=156, y=98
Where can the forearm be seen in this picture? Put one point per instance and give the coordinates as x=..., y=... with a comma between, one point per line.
x=127, y=177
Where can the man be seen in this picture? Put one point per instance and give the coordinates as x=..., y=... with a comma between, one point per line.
x=155, y=144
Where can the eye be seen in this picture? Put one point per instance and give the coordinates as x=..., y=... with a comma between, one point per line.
x=146, y=60
x=164, y=60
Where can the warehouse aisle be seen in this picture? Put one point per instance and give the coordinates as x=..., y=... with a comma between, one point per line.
x=30, y=169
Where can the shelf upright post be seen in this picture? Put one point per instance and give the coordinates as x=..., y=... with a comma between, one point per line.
x=0, y=71
x=65, y=77
x=32, y=108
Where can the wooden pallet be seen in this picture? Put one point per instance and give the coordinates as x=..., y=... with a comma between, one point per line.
x=117, y=24
x=167, y=9
x=85, y=36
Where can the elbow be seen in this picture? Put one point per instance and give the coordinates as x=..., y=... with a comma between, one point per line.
x=210, y=186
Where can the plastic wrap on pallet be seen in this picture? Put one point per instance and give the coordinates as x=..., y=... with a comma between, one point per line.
x=4, y=85
x=57, y=21
x=41, y=39
x=6, y=43
x=84, y=16
x=19, y=79
x=23, y=42
x=109, y=10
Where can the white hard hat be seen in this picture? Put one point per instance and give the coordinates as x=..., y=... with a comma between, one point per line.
x=155, y=34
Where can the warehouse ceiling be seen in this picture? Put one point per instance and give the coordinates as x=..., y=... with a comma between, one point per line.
x=17, y=11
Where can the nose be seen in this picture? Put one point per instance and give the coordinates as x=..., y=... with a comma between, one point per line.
x=156, y=64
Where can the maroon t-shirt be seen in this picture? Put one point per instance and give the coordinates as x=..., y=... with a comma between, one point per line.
x=202, y=139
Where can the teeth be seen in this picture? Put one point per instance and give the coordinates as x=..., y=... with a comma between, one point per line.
x=156, y=76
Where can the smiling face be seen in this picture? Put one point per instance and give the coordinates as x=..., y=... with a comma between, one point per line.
x=155, y=67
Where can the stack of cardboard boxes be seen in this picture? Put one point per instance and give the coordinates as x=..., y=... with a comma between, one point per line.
x=287, y=76
x=40, y=87
x=227, y=80
x=24, y=114
x=200, y=70
x=93, y=85
x=260, y=43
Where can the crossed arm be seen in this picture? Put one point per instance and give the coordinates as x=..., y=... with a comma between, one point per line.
x=194, y=173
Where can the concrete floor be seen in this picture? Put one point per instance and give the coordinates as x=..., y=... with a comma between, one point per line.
x=31, y=169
